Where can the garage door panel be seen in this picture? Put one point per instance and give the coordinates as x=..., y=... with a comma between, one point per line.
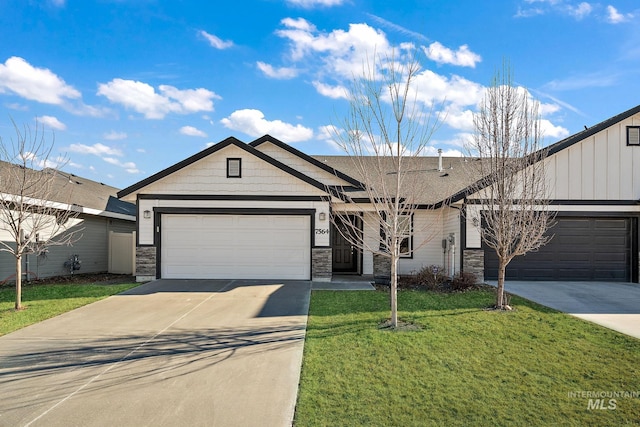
x=236, y=246
x=581, y=249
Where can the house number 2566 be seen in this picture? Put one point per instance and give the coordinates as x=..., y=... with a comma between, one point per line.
x=322, y=231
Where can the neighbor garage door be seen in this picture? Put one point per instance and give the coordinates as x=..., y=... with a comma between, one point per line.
x=235, y=247
x=581, y=249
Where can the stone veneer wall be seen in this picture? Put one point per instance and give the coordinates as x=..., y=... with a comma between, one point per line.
x=473, y=262
x=381, y=269
x=145, y=263
x=321, y=259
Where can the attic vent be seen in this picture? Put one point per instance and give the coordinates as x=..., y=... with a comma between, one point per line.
x=234, y=168
x=633, y=135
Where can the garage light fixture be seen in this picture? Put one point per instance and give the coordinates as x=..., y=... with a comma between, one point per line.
x=322, y=216
x=147, y=214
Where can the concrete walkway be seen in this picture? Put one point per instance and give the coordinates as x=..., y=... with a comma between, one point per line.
x=612, y=305
x=168, y=353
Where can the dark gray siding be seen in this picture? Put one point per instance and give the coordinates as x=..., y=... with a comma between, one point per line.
x=92, y=249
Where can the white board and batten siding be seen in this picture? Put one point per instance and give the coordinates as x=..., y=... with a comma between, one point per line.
x=600, y=167
x=238, y=246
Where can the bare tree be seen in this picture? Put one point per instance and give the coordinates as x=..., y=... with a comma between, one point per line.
x=385, y=133
x=510, y=204
x=33, y=211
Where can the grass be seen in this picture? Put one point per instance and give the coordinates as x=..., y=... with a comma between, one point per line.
x=464, y=366
x=43, y=301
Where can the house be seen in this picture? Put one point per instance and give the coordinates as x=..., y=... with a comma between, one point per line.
x=262, y=210
x=96, y=214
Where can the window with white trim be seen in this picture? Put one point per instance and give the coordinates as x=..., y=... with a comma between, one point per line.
x=406, y=244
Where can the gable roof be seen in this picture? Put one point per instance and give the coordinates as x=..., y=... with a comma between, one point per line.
x=72, y=189
x=211, y=150
x=577, y=137
x=561, y=145
x=307, y=158
x=439, y=183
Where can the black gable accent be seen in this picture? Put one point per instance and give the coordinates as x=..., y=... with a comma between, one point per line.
x=307, y=158
x=210, y=150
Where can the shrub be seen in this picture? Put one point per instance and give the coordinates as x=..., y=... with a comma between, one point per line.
x=432, y=277
x=463, y=281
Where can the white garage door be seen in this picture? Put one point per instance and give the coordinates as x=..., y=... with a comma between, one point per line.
x=235, y=247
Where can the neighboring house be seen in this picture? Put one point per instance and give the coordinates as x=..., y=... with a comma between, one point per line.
x=96, y=213
x=262, y=210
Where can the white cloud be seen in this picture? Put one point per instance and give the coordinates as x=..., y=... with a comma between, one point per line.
x=457, y=92
x=51, y=122
x=443, y=55
x=143, y=98
x=215, y=41
x=580, y=11
x=395, y=27
x=36, y=84
x=253, y=123
x=191, y=131
x=335, y=92
x=308, y=4
x=433, y=151
x=277, y=73
x=548, y=109
x=458, y=119
x=95, y=149
x=343, y=52
x=615, y=17
x=551, y=130
x=114, y=136
x=130, y=167
x=577, y=11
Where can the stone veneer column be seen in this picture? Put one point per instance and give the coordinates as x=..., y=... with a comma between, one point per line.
x=145, y=263
x=381, y=269
x=473, y=262
x=321, y=264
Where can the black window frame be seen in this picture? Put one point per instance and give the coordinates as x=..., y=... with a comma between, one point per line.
x=638, y=130
x=234, y=159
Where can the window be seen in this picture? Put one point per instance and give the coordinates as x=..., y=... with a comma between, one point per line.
x=406, y=244
x=406, y=231
x=234, y=168
x=633, y=135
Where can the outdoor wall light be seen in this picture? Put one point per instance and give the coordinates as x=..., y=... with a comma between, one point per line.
x=322, y=216
x=147, y=214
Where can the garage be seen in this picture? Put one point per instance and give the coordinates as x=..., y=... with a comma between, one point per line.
x=225, y=246
x=586, y=249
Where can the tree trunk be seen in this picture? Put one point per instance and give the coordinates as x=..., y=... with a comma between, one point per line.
x=394, y=291
x=502, y=267
x=18, y=283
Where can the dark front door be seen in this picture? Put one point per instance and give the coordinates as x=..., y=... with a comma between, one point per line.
x=345, y=256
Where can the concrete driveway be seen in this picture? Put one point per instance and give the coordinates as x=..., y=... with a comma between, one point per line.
x=170, y=352
x=613, y=305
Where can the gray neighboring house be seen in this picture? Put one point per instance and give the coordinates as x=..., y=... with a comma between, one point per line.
x=98, y=211
x=261, y=210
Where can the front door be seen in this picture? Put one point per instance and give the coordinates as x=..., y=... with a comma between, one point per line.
x=345, y=255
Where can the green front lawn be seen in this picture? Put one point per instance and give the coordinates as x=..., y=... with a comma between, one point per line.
x=464, y=366
x=45, y=301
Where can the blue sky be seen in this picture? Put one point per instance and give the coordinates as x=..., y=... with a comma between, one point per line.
x=129, y=87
